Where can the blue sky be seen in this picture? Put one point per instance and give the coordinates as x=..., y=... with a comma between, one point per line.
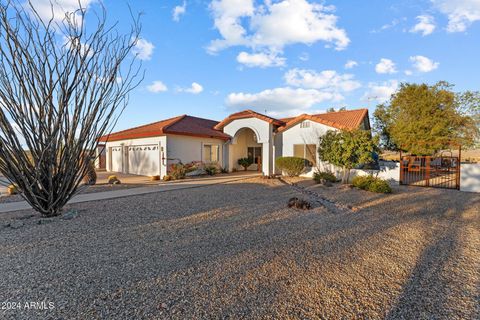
x=287, y=57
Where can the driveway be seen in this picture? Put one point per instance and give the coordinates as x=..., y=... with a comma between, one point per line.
x=236, y=251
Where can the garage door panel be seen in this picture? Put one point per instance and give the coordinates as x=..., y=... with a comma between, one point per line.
x=116, y=159
x=143, y=160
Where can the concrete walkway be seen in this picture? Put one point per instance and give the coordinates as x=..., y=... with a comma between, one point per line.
x=161, y=187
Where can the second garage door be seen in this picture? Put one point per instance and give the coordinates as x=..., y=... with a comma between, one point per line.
x=144, y=160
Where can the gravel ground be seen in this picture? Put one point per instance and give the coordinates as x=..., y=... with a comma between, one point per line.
x=236, y=251
x=85, y=189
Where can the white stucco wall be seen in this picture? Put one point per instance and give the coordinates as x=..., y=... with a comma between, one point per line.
x=298, y=135
x=188, y=149
x=470, y=177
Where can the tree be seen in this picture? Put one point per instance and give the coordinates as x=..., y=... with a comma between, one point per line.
x=347, y=149
x=382, y=123
x=333, y=109
x=62, y=87
x=424, y=119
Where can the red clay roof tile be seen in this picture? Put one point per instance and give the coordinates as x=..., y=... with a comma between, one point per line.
x=181, y=125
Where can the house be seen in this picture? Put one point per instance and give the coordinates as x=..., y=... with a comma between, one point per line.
x=150, y=149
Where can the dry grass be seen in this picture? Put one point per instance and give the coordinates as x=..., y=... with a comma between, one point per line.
x=472, y=156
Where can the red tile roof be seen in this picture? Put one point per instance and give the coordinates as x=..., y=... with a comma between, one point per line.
x=347, y=120
x=248, y=114
x=181, y=125
x=199, y=127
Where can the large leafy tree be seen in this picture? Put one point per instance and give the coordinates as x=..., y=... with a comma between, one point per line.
x=347, y=149
x=424, y=119
x=62, y=87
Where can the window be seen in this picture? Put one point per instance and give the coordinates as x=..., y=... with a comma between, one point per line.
x=306, y=151
x=210, y=152
x=254, y=153
x=305, y=124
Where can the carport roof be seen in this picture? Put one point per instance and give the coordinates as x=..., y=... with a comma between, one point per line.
x=182, y=125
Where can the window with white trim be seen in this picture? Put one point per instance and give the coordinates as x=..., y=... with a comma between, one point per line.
x=211, y=152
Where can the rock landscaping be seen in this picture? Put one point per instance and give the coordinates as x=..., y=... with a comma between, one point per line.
x=236, y=251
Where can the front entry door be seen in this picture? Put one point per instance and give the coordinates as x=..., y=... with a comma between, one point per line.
x=255, y=153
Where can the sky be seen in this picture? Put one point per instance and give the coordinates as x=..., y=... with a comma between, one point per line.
x=287, y=57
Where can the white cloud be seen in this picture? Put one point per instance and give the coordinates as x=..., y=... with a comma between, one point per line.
x=179, y=11
x=461, y=13
x=280, y=101
x=425, y=25
x=423, y=64
x=385, y=66
x=408, y=72
x=328, y=80
x=380, y=92
x=60, y=8
x=157, y=86
x=262, y=60
x=143, y=49
x=195, y=88
x=351, y=64
x=274, y=25
x=304, y=56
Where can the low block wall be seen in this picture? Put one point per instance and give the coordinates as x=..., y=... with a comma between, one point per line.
x=470, y=177
x=390, y=171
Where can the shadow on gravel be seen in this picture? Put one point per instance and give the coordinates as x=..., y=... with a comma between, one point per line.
x=231, y=250
x=440, y=284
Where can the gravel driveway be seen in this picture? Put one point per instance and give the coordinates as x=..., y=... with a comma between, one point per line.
x=235, y=251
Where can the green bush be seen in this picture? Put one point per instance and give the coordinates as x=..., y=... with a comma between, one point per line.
x=293, y=166
x=324, y=175
x=211, y=170
x=380, y=186
x=372, y=184
x=362, y=182
x=245, y=162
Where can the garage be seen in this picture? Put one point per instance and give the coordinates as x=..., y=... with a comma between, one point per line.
x=144, y=160
x=116, y=159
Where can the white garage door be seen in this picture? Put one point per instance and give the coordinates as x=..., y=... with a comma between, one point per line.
x=116, y=159
x=144, y=160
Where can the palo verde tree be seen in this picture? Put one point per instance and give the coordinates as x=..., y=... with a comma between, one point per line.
x=62, y=87
x=424, y=119
x=347, y=149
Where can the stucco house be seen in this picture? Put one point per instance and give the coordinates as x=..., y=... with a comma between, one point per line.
x=150, y=149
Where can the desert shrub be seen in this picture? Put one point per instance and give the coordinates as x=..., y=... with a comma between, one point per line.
x=224, y=170
x=90, y=177
x=178, y=171
x=293, y=166
x=245, y=162
x=362, y=182
x=324, y=175
x=380, y=186
x=192, y=166
x=211, y=170
x=372, y=184
x=113, y=180
x=167, y=177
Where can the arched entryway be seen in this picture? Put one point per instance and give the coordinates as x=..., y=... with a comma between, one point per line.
x=245, y=144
